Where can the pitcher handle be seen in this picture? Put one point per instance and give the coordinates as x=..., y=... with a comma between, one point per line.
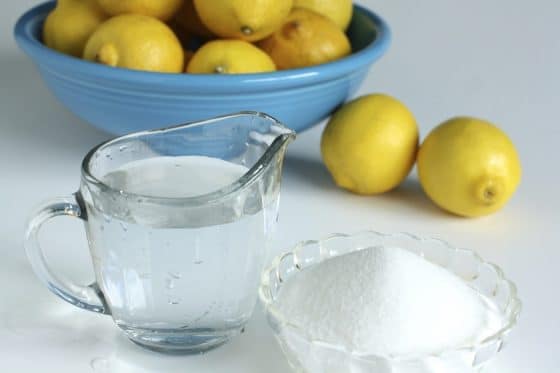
x=87, y=297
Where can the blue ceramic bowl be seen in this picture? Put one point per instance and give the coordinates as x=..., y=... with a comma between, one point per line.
x=121, y=101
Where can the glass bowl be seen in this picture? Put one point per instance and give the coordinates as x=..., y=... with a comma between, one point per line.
x=307, y=355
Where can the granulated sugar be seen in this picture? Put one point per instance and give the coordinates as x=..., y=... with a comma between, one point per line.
x=386, y=301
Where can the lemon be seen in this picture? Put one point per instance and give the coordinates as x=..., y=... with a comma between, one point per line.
x=249, y=20
x=305, y=39
x=188, y=18
x=370, y=144
x=229, y=57
x=136, y=42
x=339, y=11
x=468, y=167
x=162, y=9
x=68, y=27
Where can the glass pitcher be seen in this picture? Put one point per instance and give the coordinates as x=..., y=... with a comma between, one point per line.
x=177, y=222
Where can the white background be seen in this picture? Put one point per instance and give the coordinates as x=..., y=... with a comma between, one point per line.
x=495, y=59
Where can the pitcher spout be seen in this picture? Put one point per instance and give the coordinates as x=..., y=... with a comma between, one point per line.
x=276, y=137
x=254, y=141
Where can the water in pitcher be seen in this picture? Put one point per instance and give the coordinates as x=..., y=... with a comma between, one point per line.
x=172, y=271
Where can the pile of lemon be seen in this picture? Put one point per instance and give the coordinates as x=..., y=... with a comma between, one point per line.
x=241, y=36
x=466, y=165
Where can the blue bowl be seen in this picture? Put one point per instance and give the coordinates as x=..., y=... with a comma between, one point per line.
x=121, y=101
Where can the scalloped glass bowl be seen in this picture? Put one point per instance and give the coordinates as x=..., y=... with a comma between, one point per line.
x=307, y=355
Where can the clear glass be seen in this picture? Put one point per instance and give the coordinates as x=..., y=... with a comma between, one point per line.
x=177, y=274
x=307, y=355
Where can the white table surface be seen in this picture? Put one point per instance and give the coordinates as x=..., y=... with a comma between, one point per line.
x=494, y=59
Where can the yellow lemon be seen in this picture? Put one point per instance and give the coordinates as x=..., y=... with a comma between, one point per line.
x=229, y=57
x=305, y=39
x=162, y=9
x=249, y=20
x=468, y=167
x=188, y=18
x=370, y=144
x=136, y=42
x=339, y=11
x=68, y=27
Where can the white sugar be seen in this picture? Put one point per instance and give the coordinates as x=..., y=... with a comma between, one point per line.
x=386, y=301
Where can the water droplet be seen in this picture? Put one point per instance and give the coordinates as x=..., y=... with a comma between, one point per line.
x=171, y=278
x=107, y=218
x=121, y=192
x=139, y=200
x=198, y=261
x=175, y=275
x=122, y=148
x=177, y=165
x=123, y=226
x=100, y=364
x=173, y=300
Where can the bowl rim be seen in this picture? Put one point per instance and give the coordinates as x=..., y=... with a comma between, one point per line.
x=264, y=295
x=46, y=56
